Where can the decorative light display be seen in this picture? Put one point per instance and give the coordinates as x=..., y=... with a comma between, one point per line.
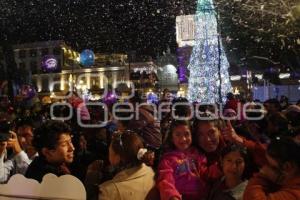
x=49, y=64
x=27, y=92
x=209, y=79
x=185, y=30
x=110, y=98
x=152, y=98
x=147, y=69
x=182, y=71
x=87, y=58
x=168, y=76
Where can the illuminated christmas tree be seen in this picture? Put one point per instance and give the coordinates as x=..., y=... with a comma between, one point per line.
x=209, y=79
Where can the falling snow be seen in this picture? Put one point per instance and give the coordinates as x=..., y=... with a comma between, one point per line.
x=248, y=27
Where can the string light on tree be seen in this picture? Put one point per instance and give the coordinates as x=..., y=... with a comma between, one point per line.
x=209, y=79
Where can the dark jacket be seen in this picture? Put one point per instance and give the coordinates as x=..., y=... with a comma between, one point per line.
x=147, y=127
x=40, y=167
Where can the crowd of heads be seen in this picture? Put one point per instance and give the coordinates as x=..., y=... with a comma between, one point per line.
x=126, y=143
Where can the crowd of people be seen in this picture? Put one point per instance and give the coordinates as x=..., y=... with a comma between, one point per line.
x=180, y=156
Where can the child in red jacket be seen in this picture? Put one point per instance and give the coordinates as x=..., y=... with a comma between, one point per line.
x=181, y=169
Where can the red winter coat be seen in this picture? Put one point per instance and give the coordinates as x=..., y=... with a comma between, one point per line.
x=181, y=174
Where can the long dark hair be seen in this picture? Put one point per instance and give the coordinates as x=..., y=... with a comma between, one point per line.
x=284, y=149
x=47, y=135
x=127, y=145
x=216, y=122
x=169, y=145
x=244, y=153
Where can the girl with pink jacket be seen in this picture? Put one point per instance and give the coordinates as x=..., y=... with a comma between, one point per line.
x=182, y=168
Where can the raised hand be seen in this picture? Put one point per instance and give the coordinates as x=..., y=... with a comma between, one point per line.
x=230, y=135
x=13, y=143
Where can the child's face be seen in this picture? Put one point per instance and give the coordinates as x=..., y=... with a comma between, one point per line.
x=114, y=158
x=181, y=137
x=233, y=165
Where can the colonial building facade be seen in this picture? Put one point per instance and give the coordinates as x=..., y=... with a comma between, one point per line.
x=108, y=71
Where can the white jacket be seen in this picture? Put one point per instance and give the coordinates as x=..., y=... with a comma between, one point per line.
x=17, y=165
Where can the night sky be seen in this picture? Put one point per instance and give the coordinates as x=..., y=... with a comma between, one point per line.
x=146, y=26
x=250, y=28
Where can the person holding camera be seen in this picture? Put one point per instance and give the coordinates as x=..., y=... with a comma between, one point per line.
x=18, y=162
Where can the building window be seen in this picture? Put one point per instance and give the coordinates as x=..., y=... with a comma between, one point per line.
x=58, y=64
x=33, y=67
x=34, y=83
x=33, y=53
x=56, y=51
x=22, y=54
x=45, y=51
x=56, y=86
x=45, y=81
x=69, y=62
